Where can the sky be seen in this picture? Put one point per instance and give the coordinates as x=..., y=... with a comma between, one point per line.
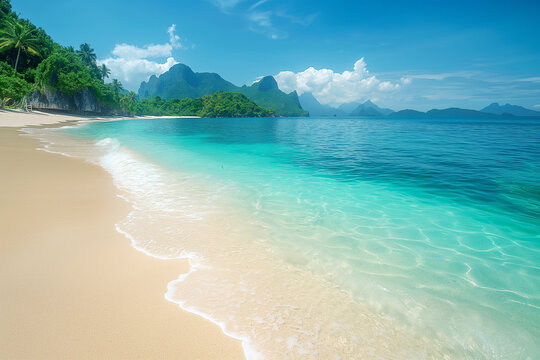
x=399, y=54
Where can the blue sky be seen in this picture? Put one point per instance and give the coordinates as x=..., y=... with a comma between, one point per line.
x=400, y=54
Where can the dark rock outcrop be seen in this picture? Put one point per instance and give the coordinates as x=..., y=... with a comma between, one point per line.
x=83, y=101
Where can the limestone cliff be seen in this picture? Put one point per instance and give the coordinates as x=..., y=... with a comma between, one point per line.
x=83, y=101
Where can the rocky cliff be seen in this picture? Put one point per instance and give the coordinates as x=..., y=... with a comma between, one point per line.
x=83, y=101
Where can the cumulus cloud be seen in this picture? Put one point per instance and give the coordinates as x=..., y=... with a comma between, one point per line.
x=131, y=72
x=133, y=64
x=134, y=52
x=330, y=87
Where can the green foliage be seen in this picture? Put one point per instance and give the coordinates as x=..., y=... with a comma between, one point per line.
x=13, y=87
x=220, y=104
x=66, y=72
x=105, y=72
x=63, y=71
x=5, y=8
x=226, y=104
x=86, y=54
x=19, y=36
x=275, y=99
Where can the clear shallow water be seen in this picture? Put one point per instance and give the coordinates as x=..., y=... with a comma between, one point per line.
x=405, y=238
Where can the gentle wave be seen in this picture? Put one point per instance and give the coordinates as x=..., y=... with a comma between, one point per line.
x=275, y=310
x=369, y=284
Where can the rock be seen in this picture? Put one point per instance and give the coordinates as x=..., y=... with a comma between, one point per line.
x=82, y=101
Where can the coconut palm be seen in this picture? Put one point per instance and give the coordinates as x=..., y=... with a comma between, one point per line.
x=127, y=101
x=18, y=36
x=105, y=71
x=117, y=86
x=87, y=54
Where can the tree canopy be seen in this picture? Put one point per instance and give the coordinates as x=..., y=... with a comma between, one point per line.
x=220, y=104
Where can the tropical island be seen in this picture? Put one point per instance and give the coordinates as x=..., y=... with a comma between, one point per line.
x=37, y=72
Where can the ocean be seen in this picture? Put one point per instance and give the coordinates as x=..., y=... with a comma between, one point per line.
x=338, y=238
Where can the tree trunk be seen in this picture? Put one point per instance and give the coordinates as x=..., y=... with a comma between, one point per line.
x=17, y=61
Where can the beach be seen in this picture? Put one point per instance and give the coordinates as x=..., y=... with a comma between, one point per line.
x=71, y=285
x=177, y=236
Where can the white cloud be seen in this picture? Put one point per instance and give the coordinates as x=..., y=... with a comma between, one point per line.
x=334, y=88
x=134, y=52
x=174, y=40
x=132, y=64
x=131, y=72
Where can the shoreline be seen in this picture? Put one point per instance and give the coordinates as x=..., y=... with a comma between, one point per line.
x=76, y=301
x=16, y=118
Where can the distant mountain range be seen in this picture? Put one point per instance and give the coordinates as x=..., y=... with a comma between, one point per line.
x=181, y=82
x=315, y=108
x=368, y=108
x=515, y=110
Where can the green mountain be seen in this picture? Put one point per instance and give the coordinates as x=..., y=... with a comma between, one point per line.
x=266, y=93
x=182, y=82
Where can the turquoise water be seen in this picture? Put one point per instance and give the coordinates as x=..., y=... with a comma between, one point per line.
x=433, y=224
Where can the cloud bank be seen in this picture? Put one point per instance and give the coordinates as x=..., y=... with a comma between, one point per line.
x=333, y=88
x=133, y=64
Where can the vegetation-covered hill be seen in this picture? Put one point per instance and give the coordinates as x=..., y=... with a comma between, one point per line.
x=267, y=94
x=181, y=82
x=216, y=105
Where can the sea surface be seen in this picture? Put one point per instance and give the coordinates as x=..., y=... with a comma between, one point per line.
x=338, y=238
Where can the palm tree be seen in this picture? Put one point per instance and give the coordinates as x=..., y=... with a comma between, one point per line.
x=105, y=71
x=87, y=54
x=117, y=86
x=127, y=101
x=18, y=36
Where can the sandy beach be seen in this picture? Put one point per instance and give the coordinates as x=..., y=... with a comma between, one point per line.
x=71, y=286
x=16, y=118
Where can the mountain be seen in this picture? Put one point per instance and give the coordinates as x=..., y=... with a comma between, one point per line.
x=315, y=108
x=348, y=108
x=182, y=82
x=515, y=110
x=370, y=109
x=407, y=112
x=266, y=93
x=456, y=112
